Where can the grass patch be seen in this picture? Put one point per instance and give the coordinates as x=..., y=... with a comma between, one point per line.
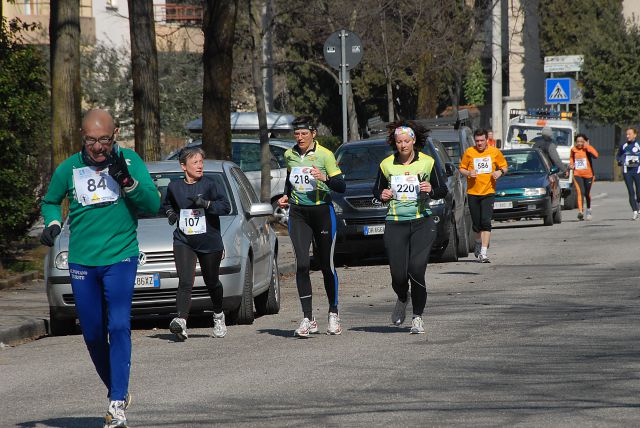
x=27, y=255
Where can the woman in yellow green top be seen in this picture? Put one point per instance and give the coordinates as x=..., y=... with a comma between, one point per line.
x=407, y=180
x=312, y=173
x=482, y=165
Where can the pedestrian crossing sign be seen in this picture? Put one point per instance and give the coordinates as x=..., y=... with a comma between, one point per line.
x=558, y=91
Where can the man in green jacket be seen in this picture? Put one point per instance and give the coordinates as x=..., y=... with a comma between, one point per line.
x=107, y=186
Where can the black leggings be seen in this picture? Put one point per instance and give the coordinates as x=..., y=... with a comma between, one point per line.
x=481, y=209
x=632, y=179
x=583, y=188
x=317, y=222
x=408, y=244
x=185, y=259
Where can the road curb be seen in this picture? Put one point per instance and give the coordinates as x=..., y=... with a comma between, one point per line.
x=18, y=279
x=29, y=330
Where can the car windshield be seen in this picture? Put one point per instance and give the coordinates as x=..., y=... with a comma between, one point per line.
x=162, y=180
x=531, y=134
x=524, y=163
x=362, y=161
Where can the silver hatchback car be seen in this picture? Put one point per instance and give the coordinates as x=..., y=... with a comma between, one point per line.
x=248, y=272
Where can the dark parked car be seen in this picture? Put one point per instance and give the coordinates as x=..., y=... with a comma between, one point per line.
x=360, y=217
x=531, y=188
x=455, y=141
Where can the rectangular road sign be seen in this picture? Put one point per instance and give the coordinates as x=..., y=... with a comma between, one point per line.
x=557, y=91
x=563, y=63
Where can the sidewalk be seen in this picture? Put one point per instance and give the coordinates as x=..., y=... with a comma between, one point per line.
x=24, y=309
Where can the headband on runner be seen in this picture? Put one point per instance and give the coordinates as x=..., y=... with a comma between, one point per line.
x=304, y=125
x=400, y=130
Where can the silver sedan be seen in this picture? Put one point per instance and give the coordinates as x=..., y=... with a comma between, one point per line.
x=248, y=272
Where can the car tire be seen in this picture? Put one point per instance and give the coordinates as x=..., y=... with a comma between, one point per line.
x=571, y=201
x=450, y=253
x=548, y=217
x=245, y=313
x=60, y=325
x=557, y=216
x=463, y=238
x=268, y=303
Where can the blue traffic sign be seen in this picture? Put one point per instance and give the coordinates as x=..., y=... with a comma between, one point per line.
x=558, y=90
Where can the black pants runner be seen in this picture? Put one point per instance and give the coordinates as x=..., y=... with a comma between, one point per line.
x=317, y=222
x=185, y=259
x=408, y=244
x=583, y=187
x=632, y=179
x=481, y=209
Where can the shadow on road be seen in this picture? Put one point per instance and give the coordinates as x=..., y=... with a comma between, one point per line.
x=381, y=329
x=82, y=422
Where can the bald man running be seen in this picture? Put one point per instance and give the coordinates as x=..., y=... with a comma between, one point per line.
x=106, y=187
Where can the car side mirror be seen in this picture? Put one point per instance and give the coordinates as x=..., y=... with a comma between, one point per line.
x=449, y=169
x=554, y=170
x=260, y=210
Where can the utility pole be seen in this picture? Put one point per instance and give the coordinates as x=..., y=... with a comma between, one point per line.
x=496, y=71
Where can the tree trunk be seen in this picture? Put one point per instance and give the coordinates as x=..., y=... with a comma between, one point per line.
x=390, y=109
x=427, y=89
x=267, y=53
x=144, y=69
x=219, y=33
x=64, y=36
x=256, y=19
x=354, y=132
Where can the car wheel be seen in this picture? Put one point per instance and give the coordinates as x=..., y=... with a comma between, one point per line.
x=548, y=217
x=245, y=311
x=268, y=303
x=450, y=254
x=60, y=325
x=557, y=216
x=463, y=238
x=571, y=201
x=281, y=215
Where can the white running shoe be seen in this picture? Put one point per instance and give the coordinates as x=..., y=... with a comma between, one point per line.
x=634, y=216
x=127, y=400
x=477, y=249
x=178, y=326
x=334, y=327
x=219, y=327
x=417, y=325
x=587, y=215
x=115, y=416
x=306, y=328
x=399, y=312
x=483, y=259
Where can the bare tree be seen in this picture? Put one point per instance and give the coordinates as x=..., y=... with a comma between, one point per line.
x=144, y=69
x=64, y=36
x=219, y=35
x=256, y=10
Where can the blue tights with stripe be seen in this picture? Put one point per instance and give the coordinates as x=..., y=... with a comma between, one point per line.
x=103, y=303
x=317, y=222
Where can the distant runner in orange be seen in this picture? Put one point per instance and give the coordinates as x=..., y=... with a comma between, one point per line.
x=581, y=162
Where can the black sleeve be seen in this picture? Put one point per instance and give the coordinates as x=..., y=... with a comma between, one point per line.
x=287, y=185
x=336, y=183
x=380, y=184
x=219, y=204
x=168, y=202
x=438, y=184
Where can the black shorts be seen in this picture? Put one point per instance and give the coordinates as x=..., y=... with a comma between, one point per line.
x=481, y=208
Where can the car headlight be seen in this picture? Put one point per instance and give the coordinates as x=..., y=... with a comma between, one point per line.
x=535, y=191
x=62, y=260
x=337, y=208
x=436, y=202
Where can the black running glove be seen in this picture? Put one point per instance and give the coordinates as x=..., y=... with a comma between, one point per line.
x=49, y=234
x=172, y=216
x=119, y=171
x=199, y=202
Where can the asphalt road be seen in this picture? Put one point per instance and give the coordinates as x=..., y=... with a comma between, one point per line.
x=546, y=335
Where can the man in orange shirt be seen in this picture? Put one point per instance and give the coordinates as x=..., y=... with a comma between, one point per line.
x=580, y=161
x=482, y=165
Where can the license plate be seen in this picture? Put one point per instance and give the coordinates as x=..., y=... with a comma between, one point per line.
x=378, y=229
x=147, y=281
x=502, y=205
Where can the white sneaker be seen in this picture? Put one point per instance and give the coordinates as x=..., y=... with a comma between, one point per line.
x=399, y=312
x=306, y=328
x=127, y=401
x=219, y=327
x=483, y=259
x=334, y=327
x=417, y=325
x=634, y=216
x=178, y=326
x=115, y=416
x=587, y=215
